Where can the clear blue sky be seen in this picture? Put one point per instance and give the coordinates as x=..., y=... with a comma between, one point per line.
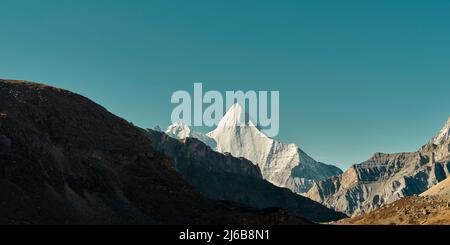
x=355, y=77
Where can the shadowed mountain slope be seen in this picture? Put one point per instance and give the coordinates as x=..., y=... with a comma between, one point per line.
x=66, y=160
x=224, y=177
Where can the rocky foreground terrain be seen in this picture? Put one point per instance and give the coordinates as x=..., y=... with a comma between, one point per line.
x=66, y=160
x=414, y=210
x=430, y=208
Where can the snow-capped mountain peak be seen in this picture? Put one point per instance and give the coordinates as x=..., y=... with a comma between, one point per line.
x=443, y=135
x=179, y=130
x=284, y=165
x=235, y=116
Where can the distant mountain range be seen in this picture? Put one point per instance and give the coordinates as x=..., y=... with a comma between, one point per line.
x=385, y=178
x=364, y=187
x=284, y=165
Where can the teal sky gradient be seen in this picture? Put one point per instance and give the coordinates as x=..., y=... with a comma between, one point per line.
x=355, y=77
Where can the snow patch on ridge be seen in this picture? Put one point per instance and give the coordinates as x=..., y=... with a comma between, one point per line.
x=443, y=135
x=179, y=130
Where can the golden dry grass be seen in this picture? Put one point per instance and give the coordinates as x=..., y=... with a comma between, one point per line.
x=413, y=210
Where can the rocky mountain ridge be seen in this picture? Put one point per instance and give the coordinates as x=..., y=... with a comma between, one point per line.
x=385, y=178
x=224, y=177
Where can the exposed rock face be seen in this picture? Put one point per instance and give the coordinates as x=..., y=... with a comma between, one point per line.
x=383, y=179
x=67, y=160
x=224, y=177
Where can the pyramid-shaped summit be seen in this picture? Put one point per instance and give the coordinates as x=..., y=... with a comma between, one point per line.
x=236, y=116
x=284, y=165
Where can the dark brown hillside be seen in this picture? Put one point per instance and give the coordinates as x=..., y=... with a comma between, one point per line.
x=66, y=160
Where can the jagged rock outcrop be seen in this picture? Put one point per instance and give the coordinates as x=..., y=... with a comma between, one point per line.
x=224, y=177
x=66, y=160
x=385, y=178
